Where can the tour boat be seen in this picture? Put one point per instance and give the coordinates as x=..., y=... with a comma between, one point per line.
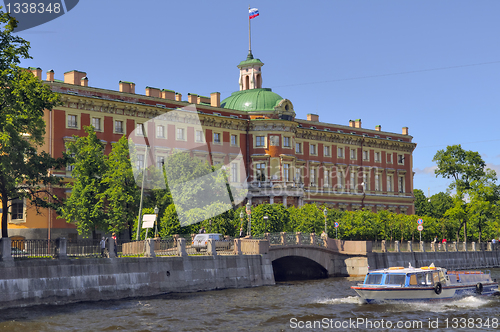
x=428, y=283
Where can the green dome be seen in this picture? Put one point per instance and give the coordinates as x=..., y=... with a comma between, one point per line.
x=252, y=100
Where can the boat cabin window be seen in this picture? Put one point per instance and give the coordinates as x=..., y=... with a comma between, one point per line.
x=435, y=277
x=430, y=278
x=373, y=279
x=395, y=279
x=421, y=279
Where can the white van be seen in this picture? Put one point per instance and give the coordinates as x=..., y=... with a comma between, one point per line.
x=200, y=241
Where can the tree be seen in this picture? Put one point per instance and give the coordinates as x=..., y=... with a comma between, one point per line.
x=25, y=172
x=463, y=166
x=121, y=194
x=421, y=203
x=85, y=206
x=439, y=204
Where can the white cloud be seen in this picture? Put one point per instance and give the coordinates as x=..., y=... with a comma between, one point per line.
x=426, y=170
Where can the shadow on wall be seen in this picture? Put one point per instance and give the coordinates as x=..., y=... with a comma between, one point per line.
x=297, y=268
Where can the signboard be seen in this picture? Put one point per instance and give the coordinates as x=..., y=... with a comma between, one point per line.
x=420, y=221
x=148, y=220
x=336, y=224
x=420, y=228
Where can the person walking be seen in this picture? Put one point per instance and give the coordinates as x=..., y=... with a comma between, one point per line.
x=202, y=230
x=241, y=231
x=113, y=236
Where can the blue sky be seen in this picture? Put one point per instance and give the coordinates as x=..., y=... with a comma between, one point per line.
x=433, y=66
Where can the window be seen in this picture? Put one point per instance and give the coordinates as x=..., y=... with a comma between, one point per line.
x=234, y=172
x=260, y=172
x=160, y=131
x=395, y=279
x=286, y=172
x=366, y=182
x=389, y=158
x=326, y=178
x=217, y=138
x=298, y=175
x=366, y=155
x=180, y=134
x=353, y=153
x=298, y=148
x=377, y=182
x=401, y=184
x=17, y=209
x=313, y=177
x=96, y=123
x=72, y=123
x=286, y=142
x=160, y=161
x=312, y=149
x=401, y=159
x=390, y=186
x=140, y=161
x=71, y=167
x=377, y=157
x=118, y=127
x=199, y=136
x=326, y=151
x=139, y=130
x=234, y=140
x=373, y=279
x=352, y=181
x=340, y=153
x=340, y=179
x=260, y=141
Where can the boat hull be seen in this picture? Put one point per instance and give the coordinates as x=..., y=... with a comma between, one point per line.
x=419, y=294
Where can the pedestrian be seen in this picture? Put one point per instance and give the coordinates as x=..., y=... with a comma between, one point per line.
x=202, y=230
x=113, y=236
x=103, y=247
x=241, y=231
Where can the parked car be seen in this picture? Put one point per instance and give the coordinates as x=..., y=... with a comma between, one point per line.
x=200, y=241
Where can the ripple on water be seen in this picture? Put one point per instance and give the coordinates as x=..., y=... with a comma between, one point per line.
x=465, y=303
x=342, y=300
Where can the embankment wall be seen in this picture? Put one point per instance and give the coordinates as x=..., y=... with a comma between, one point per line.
x=32, y=282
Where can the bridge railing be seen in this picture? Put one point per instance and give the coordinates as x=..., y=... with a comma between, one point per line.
x=416, y=246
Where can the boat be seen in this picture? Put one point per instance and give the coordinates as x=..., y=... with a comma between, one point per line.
x=427, y=283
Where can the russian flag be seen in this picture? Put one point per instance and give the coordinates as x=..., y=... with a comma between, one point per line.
x=253, y=13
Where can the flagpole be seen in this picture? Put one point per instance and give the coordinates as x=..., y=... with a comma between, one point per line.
x=249, y=36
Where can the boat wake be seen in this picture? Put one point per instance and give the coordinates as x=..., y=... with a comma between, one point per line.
x=341, y=300
x=469, y=302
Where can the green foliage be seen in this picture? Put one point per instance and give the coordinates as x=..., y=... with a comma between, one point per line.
x=421, y=203
x=85, y=206
x=277, y=214
x=24, y=170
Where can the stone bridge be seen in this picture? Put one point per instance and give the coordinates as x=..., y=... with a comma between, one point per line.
x=309, y=256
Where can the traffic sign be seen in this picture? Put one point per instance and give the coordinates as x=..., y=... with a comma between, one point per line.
x=420, y=221
x=420, y=228
x=336, y=224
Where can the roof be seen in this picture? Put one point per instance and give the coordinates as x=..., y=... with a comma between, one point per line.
x=252, y=100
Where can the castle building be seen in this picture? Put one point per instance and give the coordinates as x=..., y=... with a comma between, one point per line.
x=287, y=160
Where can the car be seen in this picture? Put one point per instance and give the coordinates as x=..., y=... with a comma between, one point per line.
x=200, y=241
x=17, y=252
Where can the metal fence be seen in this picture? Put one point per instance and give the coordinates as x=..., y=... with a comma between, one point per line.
x=34, y=248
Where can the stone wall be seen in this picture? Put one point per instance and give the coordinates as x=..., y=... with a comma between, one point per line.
x=31, y=282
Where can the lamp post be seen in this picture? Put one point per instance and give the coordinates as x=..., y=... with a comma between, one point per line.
x=210, y=228
x=265, y=222
x=325, y=213
x=249, y=212
x=156, y=220
x=241, y=223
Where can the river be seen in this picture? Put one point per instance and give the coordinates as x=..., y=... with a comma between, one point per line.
x=328, y=303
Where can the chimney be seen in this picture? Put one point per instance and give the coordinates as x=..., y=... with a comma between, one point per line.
x=84, y=81
x=74, y=77
x=313, y=117
x=36, y=71
x=192, y=98
x=215, y=99
x=178, y=96
x=357, y=123
x=378, y=128
x=405, y=130
x=153, y=92
x=351, y=123
x=203, y=99
x=128, y=87
x=168, y=94
x=50, y=75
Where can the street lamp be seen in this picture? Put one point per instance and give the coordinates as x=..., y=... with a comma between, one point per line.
x=210, y=222
x=325, y=213
x=265, y=221
x=156, y=220
x=249, y=212
x=241, y=222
